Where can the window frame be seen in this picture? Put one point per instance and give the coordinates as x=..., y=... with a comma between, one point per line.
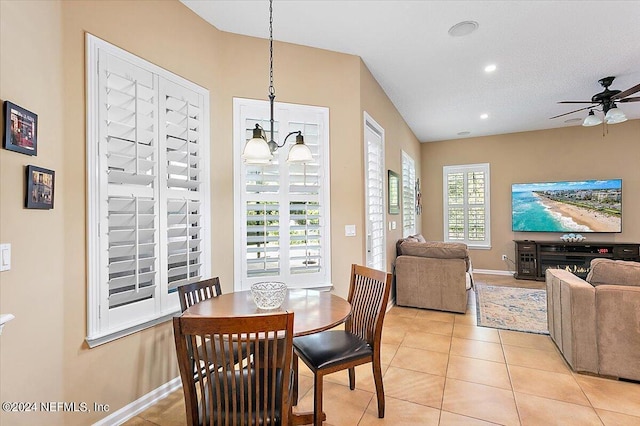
x=164, y=303
x=285, y=113
x=465, y=169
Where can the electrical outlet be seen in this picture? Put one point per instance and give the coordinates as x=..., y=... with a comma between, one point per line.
x=504, y=257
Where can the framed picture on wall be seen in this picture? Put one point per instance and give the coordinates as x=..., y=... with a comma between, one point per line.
x=40, y=188
x=394, y=192
x=20, y=129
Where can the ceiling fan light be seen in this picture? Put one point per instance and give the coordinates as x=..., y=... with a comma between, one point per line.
x=617, y=119
x=615, y=115
x=591, y=120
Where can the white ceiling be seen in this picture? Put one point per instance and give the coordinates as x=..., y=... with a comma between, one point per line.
x=545, y=52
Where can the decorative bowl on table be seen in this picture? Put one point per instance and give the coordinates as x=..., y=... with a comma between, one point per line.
x=268, y=294
x=572, y=238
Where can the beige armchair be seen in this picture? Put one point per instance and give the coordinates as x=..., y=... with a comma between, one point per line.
x=595, y=323
x=432, y=275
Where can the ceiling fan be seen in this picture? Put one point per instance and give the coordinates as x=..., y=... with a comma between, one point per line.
x=605, y=101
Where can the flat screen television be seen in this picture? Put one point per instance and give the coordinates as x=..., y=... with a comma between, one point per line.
x=579, y=206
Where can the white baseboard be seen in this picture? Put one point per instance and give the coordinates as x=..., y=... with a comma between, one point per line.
x=492, y=272
x=140, y=404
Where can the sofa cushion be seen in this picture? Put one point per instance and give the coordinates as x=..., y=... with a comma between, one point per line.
x=435, y=249
x=620, y=272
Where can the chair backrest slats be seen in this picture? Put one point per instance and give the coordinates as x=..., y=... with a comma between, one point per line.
x=368, y=295
x=190, y=294
x=250, y=385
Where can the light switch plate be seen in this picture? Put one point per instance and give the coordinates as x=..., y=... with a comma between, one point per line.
x=349, y=230
x=5, y=257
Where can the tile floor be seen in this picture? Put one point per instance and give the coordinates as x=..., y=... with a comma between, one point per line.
x=441, y=369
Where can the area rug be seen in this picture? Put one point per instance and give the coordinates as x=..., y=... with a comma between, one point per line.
x=512, y=308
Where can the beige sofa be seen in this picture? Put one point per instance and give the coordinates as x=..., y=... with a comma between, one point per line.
x=596, y=322
x=432, y=275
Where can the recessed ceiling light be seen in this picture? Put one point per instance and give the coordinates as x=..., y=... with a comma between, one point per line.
x=465, y=133
x=484, y=116
x=573, y=120
x=463, y=28
x=490, y=68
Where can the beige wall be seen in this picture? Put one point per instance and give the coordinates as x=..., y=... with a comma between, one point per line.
x=398, y=138
x=43, y=356
x=570, y=153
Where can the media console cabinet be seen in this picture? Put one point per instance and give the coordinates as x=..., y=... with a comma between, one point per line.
x=533, y=258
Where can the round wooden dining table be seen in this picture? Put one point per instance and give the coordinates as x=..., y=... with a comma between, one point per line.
x=314, y=311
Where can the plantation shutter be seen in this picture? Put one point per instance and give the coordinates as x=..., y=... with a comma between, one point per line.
x=184, y=163
x=408, y=195
x=129, y=140
x=375, y=200
x=147, y=141
x=283, y=207
x=466, y=204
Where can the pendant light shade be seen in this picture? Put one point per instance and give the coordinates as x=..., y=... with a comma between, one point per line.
x=591, y=120
x=300, y=153
x=256, y=150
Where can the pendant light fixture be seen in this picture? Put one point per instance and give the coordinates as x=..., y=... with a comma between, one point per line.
x=258, y=150
x=591, y=120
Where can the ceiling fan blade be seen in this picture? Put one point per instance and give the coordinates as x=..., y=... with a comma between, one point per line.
x=567, y=113
x=629, y=100
x=577, y=102
x=627, y=92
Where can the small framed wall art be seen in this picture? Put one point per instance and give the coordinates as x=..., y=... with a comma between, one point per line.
x=40, y=188
x=20, y=129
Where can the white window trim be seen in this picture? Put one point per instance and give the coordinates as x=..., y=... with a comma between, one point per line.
x=98, y=330
x=406, y=158
x=374, y=126
x=446, y=170
x=322, y=279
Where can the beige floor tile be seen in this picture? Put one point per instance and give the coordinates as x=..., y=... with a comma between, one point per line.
x=305, y=385
x=341, y=405
x=535, y=358
x=392, y=335
x=402, y=311
x=527, y=340
x=427, y=341
x=364, y=377
x=536, y=411
x=470, y=318
x=480, y=402
x=412, y=386
x=611, y=418
x=139, y=421
x=169, y=411
x=561, y=387
x=467, y=331
x=435, y=315
x=452, y=419
x=387, y=352
x=397, y=321
x=611, y=395
x=479, y=371
x=477, y=349
x=430, y=326
x=419, y=360
x=398, y=412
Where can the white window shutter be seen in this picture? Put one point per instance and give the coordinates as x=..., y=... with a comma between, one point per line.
x=148, y=198
x=283, y=209
x=408, y=195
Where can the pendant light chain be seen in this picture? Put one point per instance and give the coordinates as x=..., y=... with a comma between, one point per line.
x=272, y=90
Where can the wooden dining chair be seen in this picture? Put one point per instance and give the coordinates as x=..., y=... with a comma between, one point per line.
x=359, y=343
x=256, y=391
x=193, y=293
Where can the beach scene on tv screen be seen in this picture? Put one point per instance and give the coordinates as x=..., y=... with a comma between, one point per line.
x=581, y=206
